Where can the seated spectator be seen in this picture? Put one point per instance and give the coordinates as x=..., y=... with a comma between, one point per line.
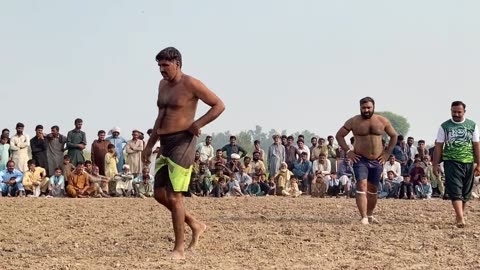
x=301, y=169
x=205, y=179
x=219, y=174
x=346, y=176
x=195, y=187
x=271, y=186
x=143, y=184
x=243, y=178
x=391, y=185
x=233, y=166
x=99, y=181
x=124, y=182
x=79, y=183
x=258, y=166
x=333, y=186
x=319, y=185
x=476, y=187
x=213, y=163
x=292, y=189
x=424, y=190
x=57, y=184
x=35, y=180
x=247, y=165
x=11, y=178
x=262, y=181
x=220, y=187
x=234, y=187
x=417, y=173
x=406, y=188
x=254, y=188
x=196, y=163
x=282, y=178
x=437, y=181
x=392, y=165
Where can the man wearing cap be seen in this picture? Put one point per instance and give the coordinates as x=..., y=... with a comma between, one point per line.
x=276, y=155
x=39, y=148
x=119, y=143
x=19, y=145
x=76, y=142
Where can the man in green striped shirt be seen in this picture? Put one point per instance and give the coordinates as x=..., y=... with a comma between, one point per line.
x=458, y=146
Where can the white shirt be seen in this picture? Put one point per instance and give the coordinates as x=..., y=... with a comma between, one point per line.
x=396, y=168
x=206, y=151
x=324, y=168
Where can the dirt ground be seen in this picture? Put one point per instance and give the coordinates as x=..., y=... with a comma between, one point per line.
x=243, y=233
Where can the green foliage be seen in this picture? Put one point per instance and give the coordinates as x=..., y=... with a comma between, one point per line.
x=399, y=123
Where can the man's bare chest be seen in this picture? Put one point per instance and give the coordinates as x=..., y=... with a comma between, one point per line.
x=365, y=128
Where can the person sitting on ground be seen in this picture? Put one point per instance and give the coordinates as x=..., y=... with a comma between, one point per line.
x=143, y=184
x=67, y=169
x=100, y=181
x=406, y=188
x=79, y=183
x=234, y=187
x=57, y=184
x=391, y=185
x=220, y=187
x=205, y=179
x=346, y=176
x=319, y=185
x=243, y=178
x=195, y=187
x=272, y=186
x=333, y=185
x=254, y=188
x=424, y=190
x=124, y=182
x=35, y=180
x=11, y=181
x=292, y=189
x=282, y=178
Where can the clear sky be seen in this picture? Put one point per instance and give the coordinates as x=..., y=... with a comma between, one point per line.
x=291, y=65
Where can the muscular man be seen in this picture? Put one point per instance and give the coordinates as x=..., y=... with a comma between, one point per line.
x=457, y=145
x=175, y=126
x=368, y=154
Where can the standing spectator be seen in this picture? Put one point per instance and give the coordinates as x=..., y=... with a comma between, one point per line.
x=55, y=149
x=206, y=150
x=98, y=151
x=19, y=145
x=256, y=147
x=4, y=152
x=6, y=132
x=39, y=148
x=233, y=148
x=76, y=142
x=276, y=155
x=134, y=150
x=119, y=143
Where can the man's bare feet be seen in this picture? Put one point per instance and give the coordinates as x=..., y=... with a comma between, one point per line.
x=178, y=255
x=364, y=221
x=197, y=230
x=460, y=222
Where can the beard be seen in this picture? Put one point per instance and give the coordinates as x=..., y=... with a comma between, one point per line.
x=366, y=115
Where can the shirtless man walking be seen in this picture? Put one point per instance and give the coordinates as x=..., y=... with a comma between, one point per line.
x=368, y=154
x=176, y=128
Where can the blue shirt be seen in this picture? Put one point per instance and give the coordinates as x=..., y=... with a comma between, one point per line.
x=5, y=175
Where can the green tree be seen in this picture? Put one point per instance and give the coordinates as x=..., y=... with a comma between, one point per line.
x=399, y=123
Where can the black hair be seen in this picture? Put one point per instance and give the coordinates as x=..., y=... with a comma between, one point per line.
x=170, y=54
x=459, y=103
x=367, y=99
x=101, y=132
x=38, y=127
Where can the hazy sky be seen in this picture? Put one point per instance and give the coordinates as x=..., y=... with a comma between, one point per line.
x=291, y=65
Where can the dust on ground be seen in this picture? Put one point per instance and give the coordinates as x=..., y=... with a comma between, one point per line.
x=243, y=233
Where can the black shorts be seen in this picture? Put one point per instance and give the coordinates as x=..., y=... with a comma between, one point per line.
x=174, y=166
x=368, y=169
x=458, y=180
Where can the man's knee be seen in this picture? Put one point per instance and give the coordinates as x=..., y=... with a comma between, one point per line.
x=362, y=185
x=175, y=198
x=160, y=195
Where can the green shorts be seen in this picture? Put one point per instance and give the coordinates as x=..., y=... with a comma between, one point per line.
x=458, y=180
x=173, y=168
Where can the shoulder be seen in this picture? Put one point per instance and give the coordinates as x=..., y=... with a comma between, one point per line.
x=381, y=118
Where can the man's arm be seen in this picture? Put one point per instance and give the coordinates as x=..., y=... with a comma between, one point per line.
x=392, y=134
x=342, y=132
x=241, y=149
x=438, y=151
x=209, y=98
x=70, y=145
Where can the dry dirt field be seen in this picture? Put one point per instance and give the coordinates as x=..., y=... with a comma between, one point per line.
x=243, y=233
